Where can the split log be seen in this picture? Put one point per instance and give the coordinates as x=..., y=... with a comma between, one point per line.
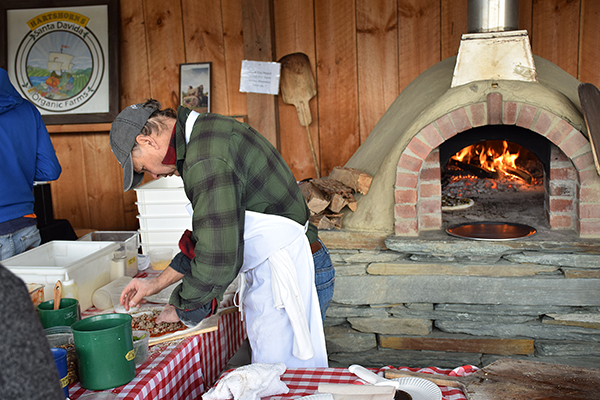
x=315, y=199
x=336, y=219
x=337, y=203
x=327, y=221
x=331, y=186
x=322, y=222
x=357, y=180
x=352, y=204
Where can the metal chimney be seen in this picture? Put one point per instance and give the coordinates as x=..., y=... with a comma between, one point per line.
x=492, y=16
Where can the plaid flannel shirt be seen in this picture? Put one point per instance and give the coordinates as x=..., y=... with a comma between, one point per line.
x=227, y=167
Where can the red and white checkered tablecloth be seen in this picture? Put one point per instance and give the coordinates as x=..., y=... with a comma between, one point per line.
x=182, y=369
x=305, y=381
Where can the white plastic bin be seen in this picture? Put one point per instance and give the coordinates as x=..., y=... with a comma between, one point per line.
x=147, y=247
x=88, y=263
x=175, y=208
x=160, y=222
x=169, y=237
x=164, y=190
x=128, y=241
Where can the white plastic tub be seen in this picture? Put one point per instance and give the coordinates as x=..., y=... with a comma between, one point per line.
x=146, y=248
x=162, y=222
x=164, y=190
x=127, y=240
x=88, y=263
x=161, y=237
x=162, y=209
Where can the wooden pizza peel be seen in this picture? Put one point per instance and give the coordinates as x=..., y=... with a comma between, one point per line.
x=298, y=87
x=509, y=379
x=207, y=325
x=589, y=96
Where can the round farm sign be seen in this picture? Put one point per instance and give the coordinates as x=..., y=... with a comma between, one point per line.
x=59, y=64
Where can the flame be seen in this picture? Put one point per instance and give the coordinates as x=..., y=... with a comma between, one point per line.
x=490, y=158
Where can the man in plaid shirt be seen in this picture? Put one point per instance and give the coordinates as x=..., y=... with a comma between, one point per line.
x=227, y=168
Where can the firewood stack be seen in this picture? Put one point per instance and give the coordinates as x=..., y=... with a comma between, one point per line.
x=327, y=197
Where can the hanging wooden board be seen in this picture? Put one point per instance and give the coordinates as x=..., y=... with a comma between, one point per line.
x=589, y=96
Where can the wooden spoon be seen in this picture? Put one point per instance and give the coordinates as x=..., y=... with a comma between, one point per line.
x=57, y=294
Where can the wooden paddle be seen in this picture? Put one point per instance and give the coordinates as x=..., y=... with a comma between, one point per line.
x=297, y=88
x=589, y=96
x=519, y=380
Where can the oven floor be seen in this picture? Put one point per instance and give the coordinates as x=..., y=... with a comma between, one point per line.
x=517, y=207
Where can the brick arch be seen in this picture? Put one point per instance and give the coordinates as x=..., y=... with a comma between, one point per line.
x=417, y=204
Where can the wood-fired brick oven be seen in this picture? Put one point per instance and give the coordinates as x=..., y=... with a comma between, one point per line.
x=403, y=150
x=408, y=294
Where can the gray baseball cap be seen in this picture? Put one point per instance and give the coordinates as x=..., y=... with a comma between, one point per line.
x=123, y=132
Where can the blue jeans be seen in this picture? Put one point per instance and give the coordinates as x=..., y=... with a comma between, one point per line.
x=324, y=278
x=17, y=242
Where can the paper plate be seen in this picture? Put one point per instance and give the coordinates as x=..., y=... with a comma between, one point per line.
x=420, y=389
x=318, y=396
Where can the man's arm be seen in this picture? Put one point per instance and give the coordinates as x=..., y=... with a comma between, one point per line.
x=137, y=289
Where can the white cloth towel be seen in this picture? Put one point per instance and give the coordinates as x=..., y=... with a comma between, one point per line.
x=250, y=382
x=286, y=294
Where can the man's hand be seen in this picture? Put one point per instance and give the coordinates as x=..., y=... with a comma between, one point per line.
x=133, y=294
x=135, y=291
x=168, y=314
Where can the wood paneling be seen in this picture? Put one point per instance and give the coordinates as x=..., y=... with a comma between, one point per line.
x=454, y=25
x=105, y=205
x=526, y=15
x=257, y=22
x=70, y=191
x=295, y=33
x=419, y=34
x=164, y=32
x=135, y=88
x=203, y=38
x=589, y=53
x=337, y=88
x=556, y=32
x=362, y=53
x=377, y=53
x=233, y=43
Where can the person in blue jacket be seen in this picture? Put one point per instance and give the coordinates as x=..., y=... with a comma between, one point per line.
x=26, y=156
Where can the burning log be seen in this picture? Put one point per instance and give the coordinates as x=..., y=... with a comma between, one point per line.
x=521, y=174
x=474, y=170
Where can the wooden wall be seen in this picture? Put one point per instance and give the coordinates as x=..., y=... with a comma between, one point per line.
x=362, y=52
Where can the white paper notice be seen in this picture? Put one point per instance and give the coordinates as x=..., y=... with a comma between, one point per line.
x=260, y=77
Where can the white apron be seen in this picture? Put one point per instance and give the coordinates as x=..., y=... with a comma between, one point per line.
x=278, y=294
x=277, y=290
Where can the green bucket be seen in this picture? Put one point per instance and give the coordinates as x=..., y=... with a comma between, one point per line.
x=104, y=347
x=67, y=314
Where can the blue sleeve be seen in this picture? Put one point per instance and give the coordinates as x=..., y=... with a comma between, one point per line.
x=47, y=167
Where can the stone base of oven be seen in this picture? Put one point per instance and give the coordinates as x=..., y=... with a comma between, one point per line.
x=441, y=301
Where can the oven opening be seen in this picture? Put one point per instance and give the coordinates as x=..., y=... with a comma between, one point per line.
x=494, y=173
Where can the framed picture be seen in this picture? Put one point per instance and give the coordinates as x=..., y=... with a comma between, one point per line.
x=194, y=86
x=62, y=56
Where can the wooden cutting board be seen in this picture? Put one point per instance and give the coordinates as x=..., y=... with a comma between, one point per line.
x=508, y=379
